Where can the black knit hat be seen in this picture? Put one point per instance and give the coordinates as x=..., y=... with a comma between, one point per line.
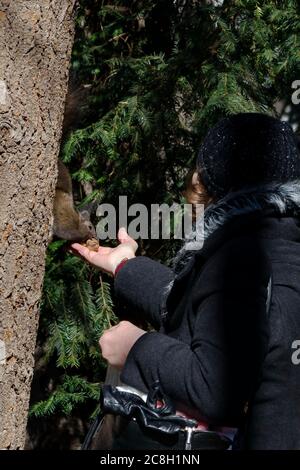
x=247, y=149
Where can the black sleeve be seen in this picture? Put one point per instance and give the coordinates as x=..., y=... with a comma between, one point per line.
x=140, y=284
x=214, y=374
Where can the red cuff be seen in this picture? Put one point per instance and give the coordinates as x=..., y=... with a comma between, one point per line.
x=120, y=265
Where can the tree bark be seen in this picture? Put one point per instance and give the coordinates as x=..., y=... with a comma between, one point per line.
x=36, y=38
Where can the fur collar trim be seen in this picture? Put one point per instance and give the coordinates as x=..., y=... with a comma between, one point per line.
x=281, y=197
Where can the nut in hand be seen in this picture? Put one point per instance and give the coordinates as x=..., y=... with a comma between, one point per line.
x=92, y=244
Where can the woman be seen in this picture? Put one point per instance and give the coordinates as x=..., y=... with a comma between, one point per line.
x=228, y=325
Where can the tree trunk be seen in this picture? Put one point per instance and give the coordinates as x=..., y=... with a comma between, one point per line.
x=35, y=46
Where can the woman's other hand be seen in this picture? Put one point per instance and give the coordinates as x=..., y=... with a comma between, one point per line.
x=116, y=342
x=107, y=258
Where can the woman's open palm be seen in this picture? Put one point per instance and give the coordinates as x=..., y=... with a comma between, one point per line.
x=107, y=258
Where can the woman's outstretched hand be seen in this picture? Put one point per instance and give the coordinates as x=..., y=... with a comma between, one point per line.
x=107, y=258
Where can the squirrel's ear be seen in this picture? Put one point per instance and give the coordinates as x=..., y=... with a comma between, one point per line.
x=84, y=214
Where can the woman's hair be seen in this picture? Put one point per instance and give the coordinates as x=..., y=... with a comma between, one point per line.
x=196, y=192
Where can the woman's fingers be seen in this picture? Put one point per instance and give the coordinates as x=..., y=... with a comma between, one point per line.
x=116, y=342
x=83, y=251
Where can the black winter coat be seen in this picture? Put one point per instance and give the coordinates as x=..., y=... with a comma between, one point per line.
x=217, y=348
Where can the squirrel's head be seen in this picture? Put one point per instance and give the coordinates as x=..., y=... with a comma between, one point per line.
x=85, y=226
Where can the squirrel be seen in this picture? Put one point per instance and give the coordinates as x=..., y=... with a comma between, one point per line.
x=69, y=224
